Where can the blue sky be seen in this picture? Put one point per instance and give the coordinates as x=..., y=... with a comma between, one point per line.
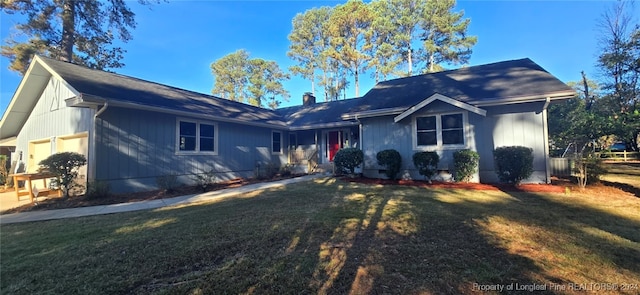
x=175, y=42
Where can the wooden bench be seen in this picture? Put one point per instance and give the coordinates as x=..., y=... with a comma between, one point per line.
x=28, y=189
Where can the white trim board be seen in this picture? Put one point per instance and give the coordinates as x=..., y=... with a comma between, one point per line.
x=442, y=98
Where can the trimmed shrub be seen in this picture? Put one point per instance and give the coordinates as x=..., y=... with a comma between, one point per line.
x=391, y=160
x=347, y=159
x=426, y=163
x=65, y=166
x=465, y=163
x=513, y=163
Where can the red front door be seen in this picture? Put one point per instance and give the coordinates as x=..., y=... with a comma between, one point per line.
x=334, y=143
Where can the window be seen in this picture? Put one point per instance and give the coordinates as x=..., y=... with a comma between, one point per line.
x=207, y=138
x=196, y=137
x=439, y=130
x=276, y=142
x=426, y=130
x=452, y=129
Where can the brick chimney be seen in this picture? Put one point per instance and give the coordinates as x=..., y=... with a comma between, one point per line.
x=308, y=99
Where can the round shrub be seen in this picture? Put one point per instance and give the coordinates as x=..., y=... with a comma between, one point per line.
x=465, y=164
x=513, y=163
x=66, y=167
x=426, y=163
x=391, y=160
x=347, y=159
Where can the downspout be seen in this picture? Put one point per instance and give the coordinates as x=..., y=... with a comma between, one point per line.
x=92, y=153
x=545, y=130
x=360, y=129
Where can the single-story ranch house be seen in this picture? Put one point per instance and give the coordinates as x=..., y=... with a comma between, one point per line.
x=134, y=131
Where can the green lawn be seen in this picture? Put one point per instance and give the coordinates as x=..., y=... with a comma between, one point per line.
x=334, y=237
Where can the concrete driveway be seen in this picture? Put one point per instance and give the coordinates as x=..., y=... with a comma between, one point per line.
x=134, y=206
x=8, y=200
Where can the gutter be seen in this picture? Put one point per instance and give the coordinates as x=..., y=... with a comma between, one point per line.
x=522, y=99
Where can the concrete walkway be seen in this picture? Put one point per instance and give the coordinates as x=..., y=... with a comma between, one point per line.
x=144, y=205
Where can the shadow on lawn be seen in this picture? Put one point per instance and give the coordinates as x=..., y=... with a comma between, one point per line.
x=389, y=241
x=623, y=186
x=342, y=238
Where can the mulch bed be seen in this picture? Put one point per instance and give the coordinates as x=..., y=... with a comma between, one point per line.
x=533, y=188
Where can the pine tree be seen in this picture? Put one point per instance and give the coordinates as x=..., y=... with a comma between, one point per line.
x=254, y=81
x=89, y=28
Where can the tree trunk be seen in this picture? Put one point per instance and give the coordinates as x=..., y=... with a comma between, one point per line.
x=68, y=30
x=357, y=81
x=431, y=62
x=326, y=94
x=410, y=61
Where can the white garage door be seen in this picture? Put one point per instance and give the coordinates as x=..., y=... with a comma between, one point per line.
x=77, y=143
x=38, y=151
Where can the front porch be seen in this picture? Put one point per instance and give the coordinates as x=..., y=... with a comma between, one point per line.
x=312, y=151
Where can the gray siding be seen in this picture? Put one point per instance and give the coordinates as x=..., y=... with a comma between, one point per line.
x=51, y=118
x=135, y=147
x=503, y=126
x=514, y=125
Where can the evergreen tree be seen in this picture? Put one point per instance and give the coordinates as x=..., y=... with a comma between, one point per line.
x=444, y=35
x=254, y=81
x=351, y=36
x=619, y=63
x=310, y=44
x=265, y=84
x=78, y=31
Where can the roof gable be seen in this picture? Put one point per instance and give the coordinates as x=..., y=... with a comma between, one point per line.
x=26, y=96
x=442, y=98
x=498, y=83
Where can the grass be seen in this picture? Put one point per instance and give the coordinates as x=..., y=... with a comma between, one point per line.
x=624, y=175
x=333, y=237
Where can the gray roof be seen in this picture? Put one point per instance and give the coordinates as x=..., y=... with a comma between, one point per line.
x=124, y=89
x=497, y=83
x=317, y=114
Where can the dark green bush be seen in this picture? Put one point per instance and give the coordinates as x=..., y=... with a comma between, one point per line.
x=391, y=160
x=347, y=159
x=465, y=163
x=513, y=163
x=65, y=166
x=426, y=163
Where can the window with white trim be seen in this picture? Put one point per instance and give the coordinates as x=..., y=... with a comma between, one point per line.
x=441, y=130
x=196, y=137
x=276, y=142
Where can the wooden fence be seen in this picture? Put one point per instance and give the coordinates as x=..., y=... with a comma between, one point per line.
x=619, y=156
